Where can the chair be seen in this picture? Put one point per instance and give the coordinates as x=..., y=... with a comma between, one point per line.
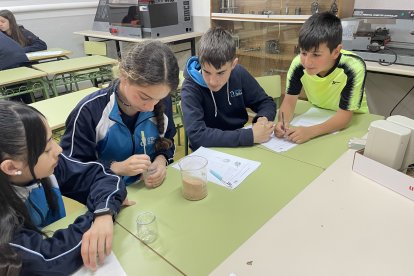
x=272, y=86
x=180, y=112
x=95, y=48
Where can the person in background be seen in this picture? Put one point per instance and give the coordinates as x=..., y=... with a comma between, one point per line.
x=23, y=37
x=129, y=125
x=12, y=54
x=215, y=94
x=33, y=176
x=331, y=77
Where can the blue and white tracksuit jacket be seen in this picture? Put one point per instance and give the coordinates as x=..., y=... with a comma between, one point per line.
x=95, y=131
x=89, y=183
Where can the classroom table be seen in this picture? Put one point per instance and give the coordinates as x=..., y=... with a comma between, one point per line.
x=49, y=54
x=196, y=236
x=341, y=224
x=324, y=150
x=57, y=109
x=70, y=71
x=394, y=69
x=175, y=39
x=134, y=256
x=22, y=80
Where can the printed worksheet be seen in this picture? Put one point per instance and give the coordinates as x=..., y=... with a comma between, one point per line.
x=225, y=169
x=111, y=266
x=43, y=54
x=311, y=117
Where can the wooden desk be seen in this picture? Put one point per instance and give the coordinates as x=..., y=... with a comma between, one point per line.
x=63, y=72
x=196, y=236
x=395, y=69
x=52, y=53
x=26, y=80
x=324, y=150
x=57, y=109
x=134, y=256
x=181, y=38
x=341, y=224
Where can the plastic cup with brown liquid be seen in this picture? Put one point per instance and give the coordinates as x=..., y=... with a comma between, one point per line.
x=194, y=177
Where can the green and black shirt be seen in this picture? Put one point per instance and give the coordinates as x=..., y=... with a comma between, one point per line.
x=342, y=87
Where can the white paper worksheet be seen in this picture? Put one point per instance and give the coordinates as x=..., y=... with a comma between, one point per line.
x=232, y=170
x=311, y=117
x=111, y=266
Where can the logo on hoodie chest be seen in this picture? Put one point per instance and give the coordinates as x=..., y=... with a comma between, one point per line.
x=236, y=93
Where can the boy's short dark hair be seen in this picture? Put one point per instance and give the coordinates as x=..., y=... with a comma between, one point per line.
x=320, y=28
x=217, y=47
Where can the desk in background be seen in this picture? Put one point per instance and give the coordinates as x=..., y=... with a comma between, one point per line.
x=49, y=54
x=395, y=69
x=134, y=256
x=22, y=80
x=57, y=109
x=341, y=224
x=178, y=39
x=69, y=71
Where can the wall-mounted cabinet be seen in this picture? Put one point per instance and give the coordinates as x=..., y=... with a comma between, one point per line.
x=266, y=31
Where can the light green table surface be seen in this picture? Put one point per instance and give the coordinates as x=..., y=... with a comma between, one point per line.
x=134, y=256
x=17, y=75
x=197, y=236
x=74, y=64
x=57, y=109
x=324, y=150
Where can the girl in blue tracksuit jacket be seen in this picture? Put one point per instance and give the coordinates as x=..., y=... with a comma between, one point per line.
x=29, y=41
x=33, y=174
x=129, y=125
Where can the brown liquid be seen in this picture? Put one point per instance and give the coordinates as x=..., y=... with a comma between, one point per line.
x=194, y=189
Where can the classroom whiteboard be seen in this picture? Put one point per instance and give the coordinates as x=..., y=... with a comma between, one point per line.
x=384, y=4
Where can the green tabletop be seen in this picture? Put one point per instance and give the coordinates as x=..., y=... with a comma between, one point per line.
x=57, y=109
x=134, y=256
x=197, y=236
x=21, y=74
x=324, y=150
x=74, y=64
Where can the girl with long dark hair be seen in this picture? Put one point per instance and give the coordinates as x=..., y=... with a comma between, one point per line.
x=29, y=41
x=129, y=125
x=33, y=176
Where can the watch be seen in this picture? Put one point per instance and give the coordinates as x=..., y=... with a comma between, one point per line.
x=102, y=211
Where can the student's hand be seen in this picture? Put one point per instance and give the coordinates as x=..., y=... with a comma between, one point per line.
x=299, y=134
x=136, y=164
x=279, y=131
x=127, y=202
x=97, y=242
x=262, y=130
x=156, y=172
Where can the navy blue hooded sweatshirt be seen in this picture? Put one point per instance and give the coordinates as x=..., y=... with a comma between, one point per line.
x=216, y=119
x=12, y=55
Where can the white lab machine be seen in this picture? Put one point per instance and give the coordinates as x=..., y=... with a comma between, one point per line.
x=409, y=153
x=387, y=143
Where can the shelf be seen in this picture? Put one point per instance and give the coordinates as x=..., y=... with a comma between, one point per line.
x=274, y=18
x=262, y=54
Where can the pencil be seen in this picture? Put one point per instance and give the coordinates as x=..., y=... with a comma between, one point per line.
x=283, y=122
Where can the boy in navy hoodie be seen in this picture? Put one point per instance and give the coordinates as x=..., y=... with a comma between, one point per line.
x=215, y=94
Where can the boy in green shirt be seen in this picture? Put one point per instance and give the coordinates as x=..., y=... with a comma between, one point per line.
x=332, y=78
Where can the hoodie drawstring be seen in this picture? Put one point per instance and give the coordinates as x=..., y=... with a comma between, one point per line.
x=228, y=94
x=214, y=101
